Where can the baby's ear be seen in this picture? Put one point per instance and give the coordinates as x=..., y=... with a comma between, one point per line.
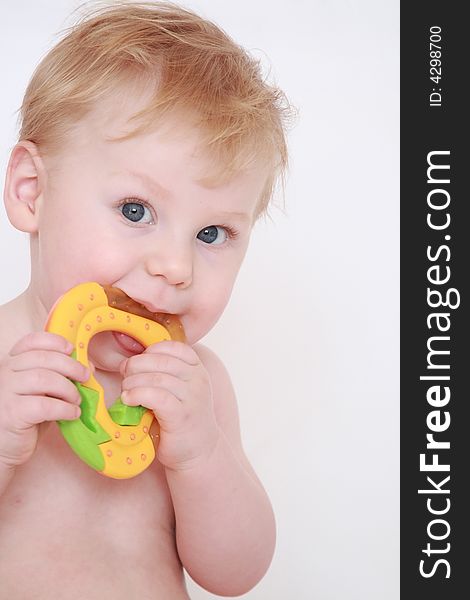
x=24, y=185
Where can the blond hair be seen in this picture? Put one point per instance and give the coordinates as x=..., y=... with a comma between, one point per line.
x=196, y=69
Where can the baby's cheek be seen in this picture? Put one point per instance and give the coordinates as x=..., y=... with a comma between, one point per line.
x=103, y=263
x=203, y=315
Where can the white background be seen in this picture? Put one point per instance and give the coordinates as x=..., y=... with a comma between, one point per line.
x=311, y=334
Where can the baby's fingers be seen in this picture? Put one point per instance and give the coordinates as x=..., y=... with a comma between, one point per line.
x=53, y=361
x=41, y=340
x=164, y=381
x=166, y=406
x=42, y=382
x=32, y=410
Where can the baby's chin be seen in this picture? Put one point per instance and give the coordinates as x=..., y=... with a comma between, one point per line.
x=196, y=331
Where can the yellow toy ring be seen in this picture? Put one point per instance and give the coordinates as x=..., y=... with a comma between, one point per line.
x=117, y=442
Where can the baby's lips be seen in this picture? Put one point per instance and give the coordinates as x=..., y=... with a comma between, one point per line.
x=119, y=299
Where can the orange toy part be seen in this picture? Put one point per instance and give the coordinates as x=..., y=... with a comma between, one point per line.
x=117, y=442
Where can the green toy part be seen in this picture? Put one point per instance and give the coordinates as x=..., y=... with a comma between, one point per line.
x=85, y=434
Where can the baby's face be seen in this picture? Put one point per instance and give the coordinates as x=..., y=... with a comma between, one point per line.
x=132, y=214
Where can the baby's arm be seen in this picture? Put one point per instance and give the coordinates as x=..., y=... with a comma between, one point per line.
x=225, y=529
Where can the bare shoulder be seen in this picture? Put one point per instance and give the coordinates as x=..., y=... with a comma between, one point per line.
x=12, y=325
x=7, y=337
x=215, y=367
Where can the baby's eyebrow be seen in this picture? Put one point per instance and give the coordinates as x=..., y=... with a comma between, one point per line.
x=146, y=180
x=237, y=216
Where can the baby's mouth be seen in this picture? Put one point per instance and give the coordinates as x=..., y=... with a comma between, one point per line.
x=128, y=343
x=117, y=298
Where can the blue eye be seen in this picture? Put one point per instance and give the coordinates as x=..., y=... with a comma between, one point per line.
x=135, y=211
x=213, y=235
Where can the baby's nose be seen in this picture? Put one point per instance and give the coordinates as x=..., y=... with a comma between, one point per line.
x=174, y=262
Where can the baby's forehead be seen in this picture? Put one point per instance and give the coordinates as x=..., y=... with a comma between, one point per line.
x=154, y=161
x=107, y=133
x=143, y=154
x=112, y=115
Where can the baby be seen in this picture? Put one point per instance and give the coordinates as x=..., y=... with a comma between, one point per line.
x=149, y=146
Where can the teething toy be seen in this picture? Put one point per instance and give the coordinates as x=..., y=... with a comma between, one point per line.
x=115, y=441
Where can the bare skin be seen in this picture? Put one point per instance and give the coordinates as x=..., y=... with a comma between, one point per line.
x=81, y=534
x=137, y=215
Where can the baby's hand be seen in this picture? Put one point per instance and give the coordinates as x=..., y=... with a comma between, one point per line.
x=169, y=379
x=34, y=389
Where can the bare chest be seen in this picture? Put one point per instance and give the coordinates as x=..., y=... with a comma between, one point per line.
x=85, y=534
